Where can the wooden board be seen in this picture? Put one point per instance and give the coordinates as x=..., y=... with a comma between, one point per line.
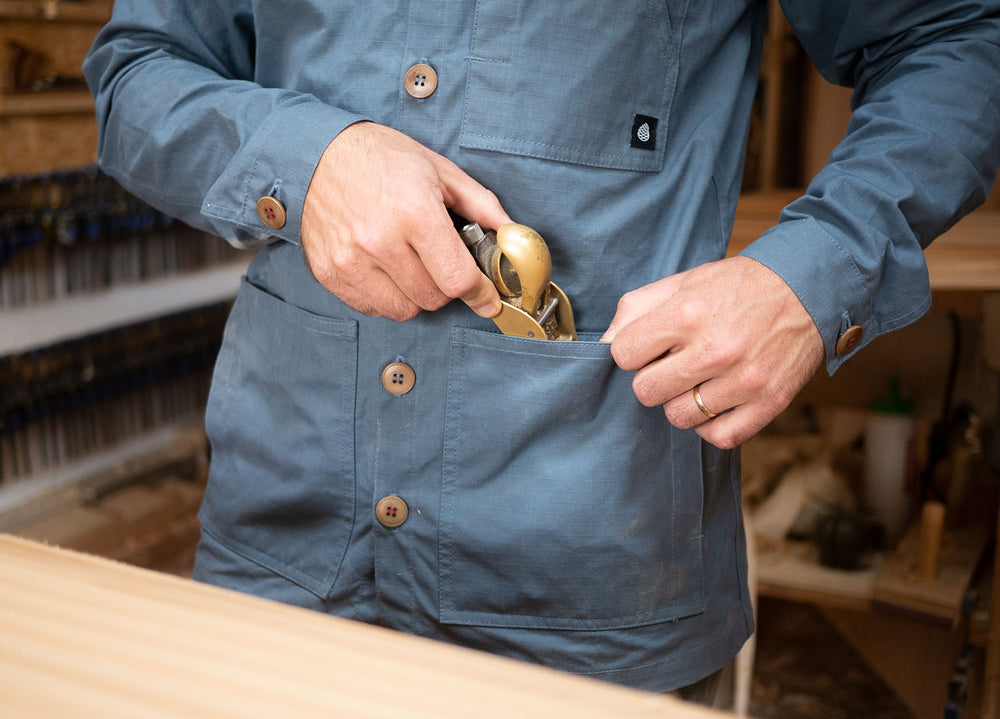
x=86, y=637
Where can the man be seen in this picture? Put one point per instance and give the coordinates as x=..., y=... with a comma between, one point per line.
x=379, y=450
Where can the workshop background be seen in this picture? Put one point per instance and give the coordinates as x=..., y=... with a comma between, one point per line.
x=872, y=500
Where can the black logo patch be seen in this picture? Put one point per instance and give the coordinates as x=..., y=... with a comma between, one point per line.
x=644, y=132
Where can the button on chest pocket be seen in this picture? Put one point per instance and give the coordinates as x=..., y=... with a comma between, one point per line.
x=565, y=503
x=586, y=82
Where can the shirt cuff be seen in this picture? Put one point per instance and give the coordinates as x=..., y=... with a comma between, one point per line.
x=826, y=280
x=277, y=161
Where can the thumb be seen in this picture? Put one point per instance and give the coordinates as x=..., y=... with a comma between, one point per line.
x=473, y=202
x=484, y=300
x=451, y=266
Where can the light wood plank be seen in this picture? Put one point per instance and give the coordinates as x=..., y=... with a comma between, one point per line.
x=83, y=637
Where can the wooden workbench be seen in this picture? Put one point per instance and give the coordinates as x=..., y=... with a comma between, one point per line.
x=83, y=636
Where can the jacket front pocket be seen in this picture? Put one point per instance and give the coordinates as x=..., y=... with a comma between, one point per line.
x=281, y=488
x=565, y=81
x=565, y=503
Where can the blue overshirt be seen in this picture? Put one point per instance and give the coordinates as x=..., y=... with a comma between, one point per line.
x=551, y=517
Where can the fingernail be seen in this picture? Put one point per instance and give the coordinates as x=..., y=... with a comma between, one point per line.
x=489, y=310
x=609, y=334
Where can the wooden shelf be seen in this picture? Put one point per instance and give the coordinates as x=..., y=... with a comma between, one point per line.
x=965, y=258
x=46, y=102
x=54, y=11
x=24, y=502
x=37, y=326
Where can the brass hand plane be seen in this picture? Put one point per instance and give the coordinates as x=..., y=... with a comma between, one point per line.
x=517, y=259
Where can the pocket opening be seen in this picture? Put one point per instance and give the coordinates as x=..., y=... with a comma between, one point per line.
x=282, y=488
x=589, y=525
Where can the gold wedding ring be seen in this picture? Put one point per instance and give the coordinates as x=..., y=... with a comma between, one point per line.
x=701, y=405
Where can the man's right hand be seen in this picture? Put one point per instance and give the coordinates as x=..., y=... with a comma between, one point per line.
x=376, y=230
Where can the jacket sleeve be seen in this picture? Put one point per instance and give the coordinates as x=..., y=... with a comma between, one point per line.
x=922, y=149
x=183, y=124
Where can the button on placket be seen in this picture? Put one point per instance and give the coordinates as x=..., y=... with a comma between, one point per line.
x=391, y=511
x=398, y=378
x=420, y=81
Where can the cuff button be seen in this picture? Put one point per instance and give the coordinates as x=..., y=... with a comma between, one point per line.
x=271, y=212
x=849, y=340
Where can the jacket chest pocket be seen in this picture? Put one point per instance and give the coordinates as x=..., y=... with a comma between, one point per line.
x=565, y=503
x=587, y=81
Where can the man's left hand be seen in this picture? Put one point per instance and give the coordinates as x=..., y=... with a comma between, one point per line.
x=733, y=331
